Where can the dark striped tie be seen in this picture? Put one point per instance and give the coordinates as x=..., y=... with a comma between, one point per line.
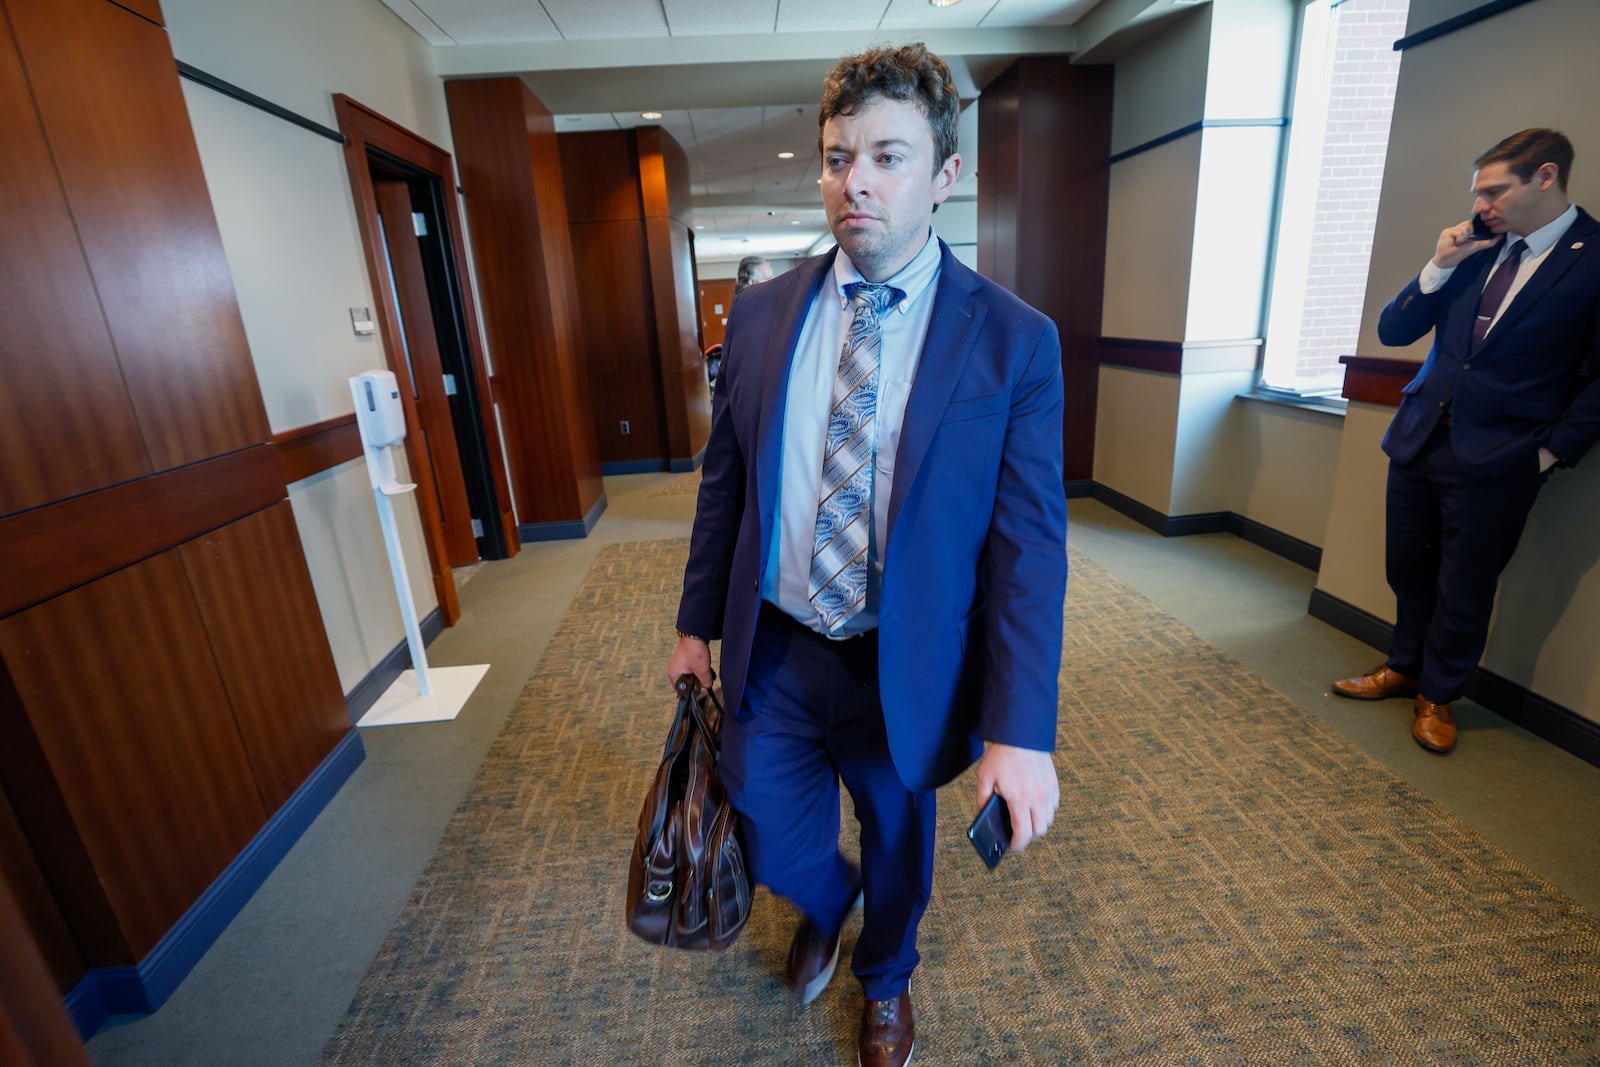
x=1494, y=294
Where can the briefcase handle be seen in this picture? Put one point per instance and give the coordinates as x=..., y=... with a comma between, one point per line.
x=687, y=686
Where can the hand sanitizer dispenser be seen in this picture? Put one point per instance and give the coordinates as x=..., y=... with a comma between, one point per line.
x=379, y=412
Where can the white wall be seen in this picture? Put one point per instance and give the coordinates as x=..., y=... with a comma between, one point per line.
x=284, y=208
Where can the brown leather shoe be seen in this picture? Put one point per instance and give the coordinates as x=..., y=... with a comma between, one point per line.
x=1379, y=685
x=887, y=1032
x=813, y=957
x=1434, y=728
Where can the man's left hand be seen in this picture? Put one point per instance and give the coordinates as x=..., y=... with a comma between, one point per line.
x=1547, y=459
x=1026, y=779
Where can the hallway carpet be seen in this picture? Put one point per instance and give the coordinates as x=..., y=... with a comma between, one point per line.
x=1228, y=882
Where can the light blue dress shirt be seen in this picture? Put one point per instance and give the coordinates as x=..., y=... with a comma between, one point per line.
x=786, y=579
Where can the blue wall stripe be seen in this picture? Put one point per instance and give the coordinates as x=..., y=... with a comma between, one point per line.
x=108, y=991
x=1451, y=25
x=1193, y=127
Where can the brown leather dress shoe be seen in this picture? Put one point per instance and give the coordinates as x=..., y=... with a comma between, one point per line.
x=887, y=1032
x=1434, y=729
x=813, y=957
x=1379, y=685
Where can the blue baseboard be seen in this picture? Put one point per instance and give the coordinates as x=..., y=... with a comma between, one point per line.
x=108, y=991
x=684, y=466
x=632, y=466
x=570, y=530
x=390, y=667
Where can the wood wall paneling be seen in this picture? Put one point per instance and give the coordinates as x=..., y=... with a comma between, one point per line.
x=119, y=685
x=280, y=676
x=713, y=292
x=20, y=873
x=510, y=163
x=148, y=9
x=687, y=397
x=1044, y=201
x=131, y=172
x=619, y=344
x=319, y=446
x=35, y=1030
x=600, y=174
x=48, y=550
x=66, y=423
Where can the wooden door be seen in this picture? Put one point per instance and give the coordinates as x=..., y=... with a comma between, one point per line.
x=421, y=341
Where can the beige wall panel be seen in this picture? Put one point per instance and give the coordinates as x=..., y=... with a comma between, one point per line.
x=338, y=522
x=1204, y=477
x=1161, y=84
x=1135, y=434
x=1352, y=549
x=1439, y=128
x=1425, y=13
x=1149, y=242
x=1286, y=458
x=1548, y=612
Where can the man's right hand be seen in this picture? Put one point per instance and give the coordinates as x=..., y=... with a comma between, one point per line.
x=692, y=656
x=1457, y=243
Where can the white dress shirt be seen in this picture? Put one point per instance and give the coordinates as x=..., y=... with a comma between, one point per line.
x=1539, y=242
x=786, y=578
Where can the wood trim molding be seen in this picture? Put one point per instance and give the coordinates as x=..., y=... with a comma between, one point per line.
x=1377, y=379
x=318, y=446
x=49, y=550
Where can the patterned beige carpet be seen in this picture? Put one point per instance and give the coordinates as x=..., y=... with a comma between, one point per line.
x=1230, y=883
x=684, y=485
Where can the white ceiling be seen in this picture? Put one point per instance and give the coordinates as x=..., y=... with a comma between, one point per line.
x=737, y=81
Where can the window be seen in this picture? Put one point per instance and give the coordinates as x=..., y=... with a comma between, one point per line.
x=1345, y=78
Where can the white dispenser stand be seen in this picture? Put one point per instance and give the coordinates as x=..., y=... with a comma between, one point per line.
x=418, y=695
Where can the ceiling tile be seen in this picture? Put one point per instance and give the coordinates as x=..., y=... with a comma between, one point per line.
x=693, y=17
x=414, y=17
x=490, y=21
x=1007, y=13
x=798, y=15
x=581, y=19
x=921, y=15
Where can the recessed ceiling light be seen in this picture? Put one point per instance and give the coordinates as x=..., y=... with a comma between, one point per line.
x=943, y=3
x=794, y=222
x=652, y=115
x=785, y=155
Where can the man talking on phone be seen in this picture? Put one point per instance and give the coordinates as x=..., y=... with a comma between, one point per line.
x=1508, y=391
x=880, y=544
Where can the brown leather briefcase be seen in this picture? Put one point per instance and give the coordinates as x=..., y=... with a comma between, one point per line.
x=687, y=883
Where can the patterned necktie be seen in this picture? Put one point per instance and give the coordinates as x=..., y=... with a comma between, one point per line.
x=844, y=512
x=1494, y=294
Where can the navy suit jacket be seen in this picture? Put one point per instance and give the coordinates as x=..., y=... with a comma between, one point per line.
x=1531, y=383
x=974, y=559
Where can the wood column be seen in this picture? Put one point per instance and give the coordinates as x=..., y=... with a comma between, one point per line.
x=506, y=149
x=628, y=204
x=1045, y=156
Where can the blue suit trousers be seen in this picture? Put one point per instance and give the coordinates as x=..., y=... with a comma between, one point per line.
x=809, y=718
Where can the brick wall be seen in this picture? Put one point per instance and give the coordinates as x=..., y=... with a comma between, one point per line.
x=1361, y=98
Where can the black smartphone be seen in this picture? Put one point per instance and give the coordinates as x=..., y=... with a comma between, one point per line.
x=990, y=832
x=1481, y=231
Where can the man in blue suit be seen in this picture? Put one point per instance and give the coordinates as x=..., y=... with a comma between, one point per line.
x=880, y=543
x=1508, y=391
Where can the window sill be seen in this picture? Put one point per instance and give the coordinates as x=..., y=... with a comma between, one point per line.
x=1325, y=405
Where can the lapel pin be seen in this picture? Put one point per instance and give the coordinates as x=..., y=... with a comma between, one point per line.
x=1577, y=245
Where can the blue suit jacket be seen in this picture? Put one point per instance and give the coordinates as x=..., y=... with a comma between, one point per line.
x=1530, y=384
x=974, y=560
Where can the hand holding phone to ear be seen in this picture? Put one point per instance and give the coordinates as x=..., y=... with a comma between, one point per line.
x=1462, y=240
